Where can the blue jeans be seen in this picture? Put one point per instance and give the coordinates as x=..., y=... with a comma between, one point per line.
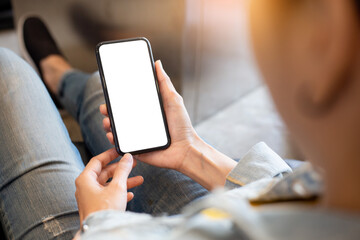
x=39, y=163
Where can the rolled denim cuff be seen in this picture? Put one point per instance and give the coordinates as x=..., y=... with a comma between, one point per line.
x=258, y=163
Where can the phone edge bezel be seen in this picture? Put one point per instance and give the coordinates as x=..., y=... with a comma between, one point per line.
x=107, y=101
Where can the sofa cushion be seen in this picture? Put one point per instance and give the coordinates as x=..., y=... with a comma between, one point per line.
x=249, y=120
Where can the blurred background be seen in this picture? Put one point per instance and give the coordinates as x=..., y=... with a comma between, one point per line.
x=204, y=46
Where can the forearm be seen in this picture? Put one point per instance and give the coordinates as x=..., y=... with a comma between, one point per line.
x=206, y=165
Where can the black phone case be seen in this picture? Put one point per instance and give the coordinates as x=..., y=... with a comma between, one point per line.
x=108, y=104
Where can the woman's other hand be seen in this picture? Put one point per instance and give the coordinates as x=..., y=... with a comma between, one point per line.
x=95, y=193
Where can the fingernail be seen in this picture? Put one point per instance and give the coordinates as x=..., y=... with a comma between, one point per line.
x=127, y=157
x=160, y=64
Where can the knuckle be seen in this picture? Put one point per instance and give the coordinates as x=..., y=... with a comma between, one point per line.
x=164, y=78
x=176, y=98
x=167, y=78
x=78, y=181
x=172, y=95
x=180, y=99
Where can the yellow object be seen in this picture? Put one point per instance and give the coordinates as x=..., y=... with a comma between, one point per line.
x=214, y=213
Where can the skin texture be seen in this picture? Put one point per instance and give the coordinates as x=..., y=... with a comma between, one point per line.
x=309, y=55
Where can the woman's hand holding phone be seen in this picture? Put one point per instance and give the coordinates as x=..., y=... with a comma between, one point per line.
x=188, y=153
x=181, y=131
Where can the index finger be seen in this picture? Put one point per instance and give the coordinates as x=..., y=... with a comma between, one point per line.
x=97, y=163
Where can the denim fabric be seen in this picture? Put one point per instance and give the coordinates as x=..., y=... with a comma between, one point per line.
x=81, y=94
x=39, y=163
x=258, y=163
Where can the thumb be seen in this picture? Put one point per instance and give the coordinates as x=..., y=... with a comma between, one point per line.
x=122, y=172
x=164, y=80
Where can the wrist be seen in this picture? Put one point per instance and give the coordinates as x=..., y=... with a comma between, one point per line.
x=206, y=165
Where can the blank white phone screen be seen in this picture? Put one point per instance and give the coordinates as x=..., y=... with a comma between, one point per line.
x=133, y=95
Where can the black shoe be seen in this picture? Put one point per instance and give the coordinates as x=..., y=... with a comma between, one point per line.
x=37, y=43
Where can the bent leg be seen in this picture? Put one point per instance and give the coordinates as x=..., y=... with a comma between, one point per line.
x=38, y=163
x=163, y=190
x=81, y=94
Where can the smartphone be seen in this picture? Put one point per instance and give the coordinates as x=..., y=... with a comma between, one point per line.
x=132, y=96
